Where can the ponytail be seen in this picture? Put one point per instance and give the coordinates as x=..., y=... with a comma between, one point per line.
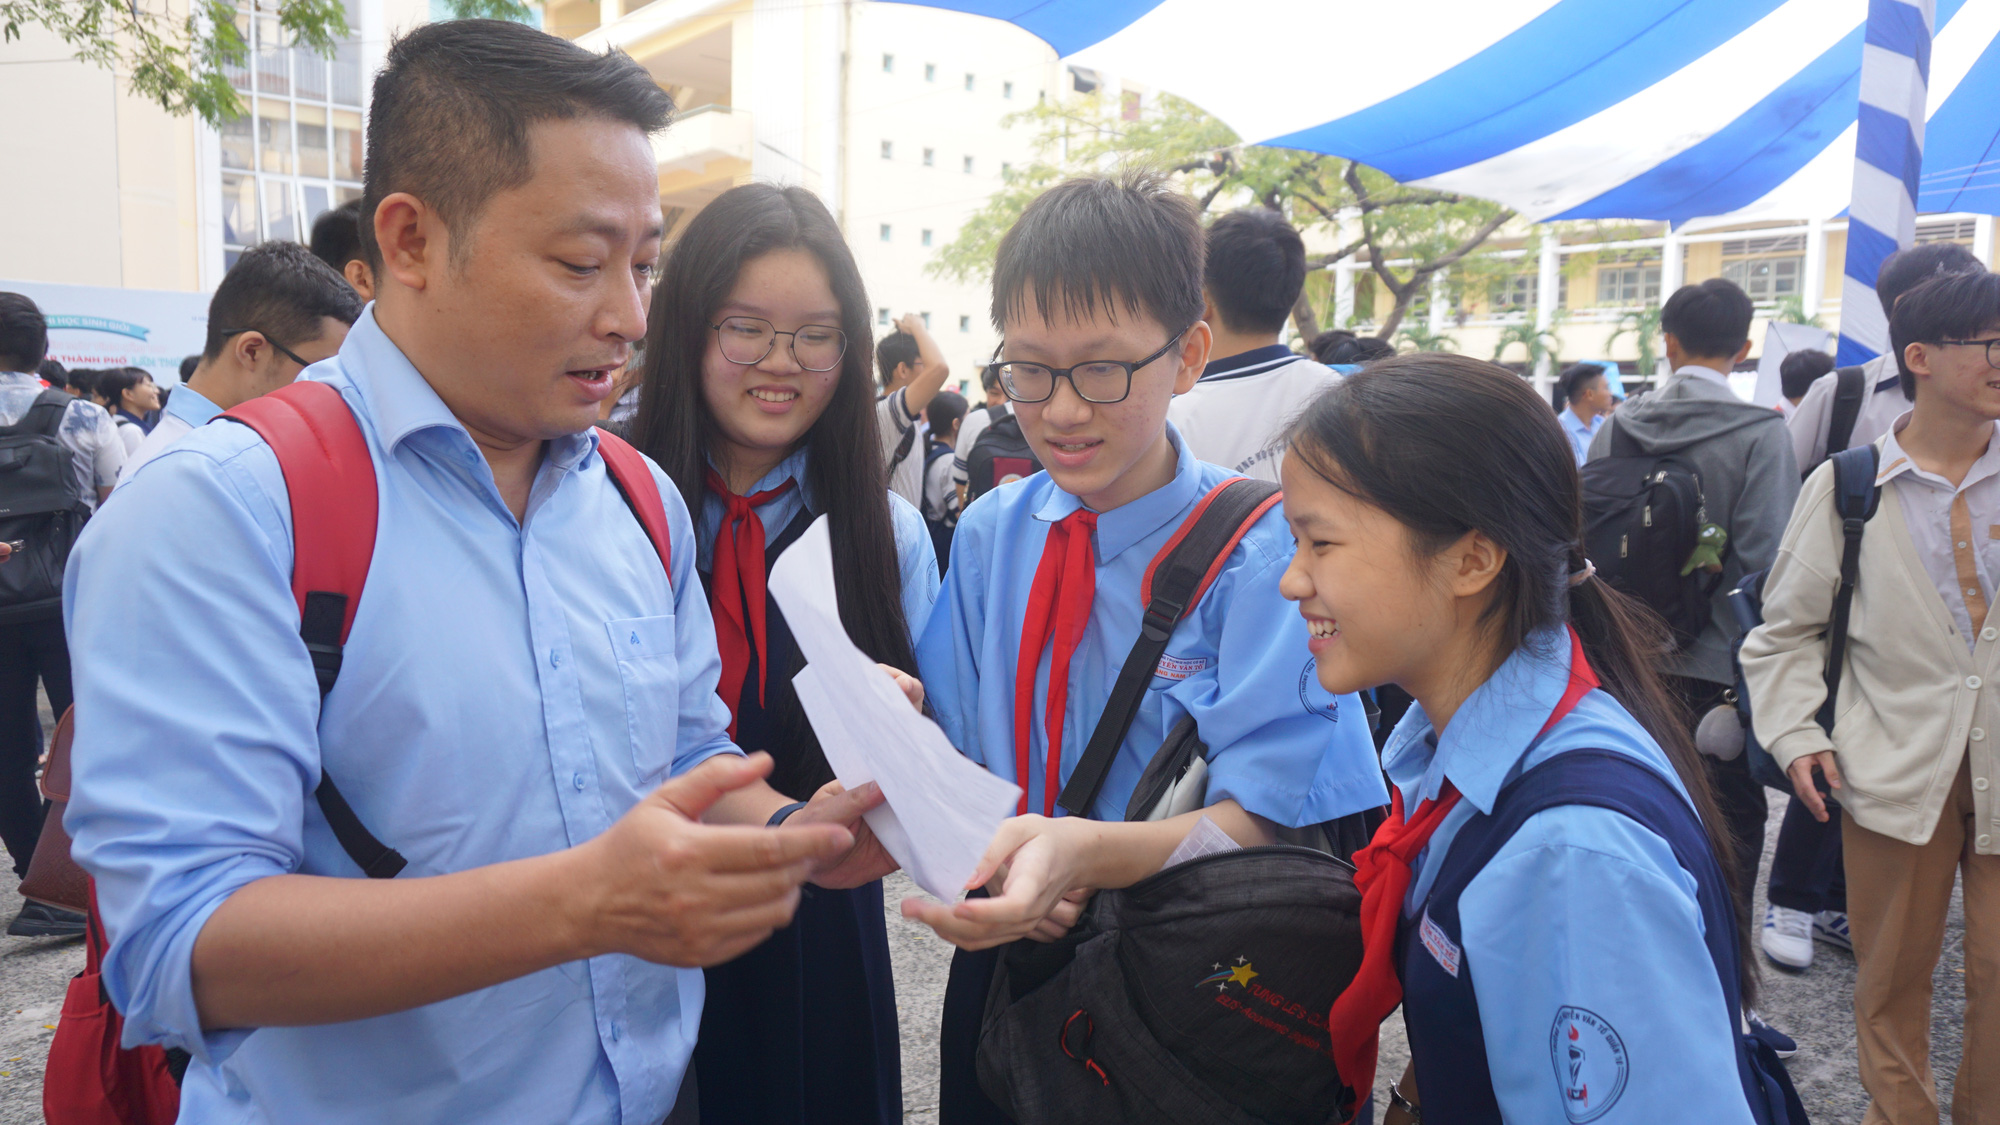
x=1445, y=445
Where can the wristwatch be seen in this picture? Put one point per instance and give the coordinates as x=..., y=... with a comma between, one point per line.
x=778, y=817
x=1398, y=1101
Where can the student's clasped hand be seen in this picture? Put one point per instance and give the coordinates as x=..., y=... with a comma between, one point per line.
x=667, y=888
x=1034, y=873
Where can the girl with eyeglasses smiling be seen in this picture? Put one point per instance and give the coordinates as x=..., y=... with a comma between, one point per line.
x=758, y=401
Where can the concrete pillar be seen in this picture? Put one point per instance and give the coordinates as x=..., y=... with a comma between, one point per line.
x=1982, y=240
x=1815, y=264
x=1343, y=294
x=1548, y=285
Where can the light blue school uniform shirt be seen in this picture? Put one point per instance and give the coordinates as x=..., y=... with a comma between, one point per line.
x=1279, y=744
x=509, y=689
x=916, y=558
x=1580, y=433
x=186, y=409
x=1582, y=908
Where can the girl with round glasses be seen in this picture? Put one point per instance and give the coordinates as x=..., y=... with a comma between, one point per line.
x=759, y=403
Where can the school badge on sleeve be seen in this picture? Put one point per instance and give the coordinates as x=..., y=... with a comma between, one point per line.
x=1590, y=1061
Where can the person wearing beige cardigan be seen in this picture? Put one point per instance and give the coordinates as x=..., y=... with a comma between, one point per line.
x=1917, y=714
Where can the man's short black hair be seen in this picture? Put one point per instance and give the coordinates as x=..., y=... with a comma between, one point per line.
x=279, y=289
x=53, y=373
x=1128, y=240
x=188, y=364
x=1256, y=267
x=448, y=121
x=83, y=381
x=897, y=347
x=944, y=411
x=1913, y=265
x=1710, y=320
x=1955, y=306
x=1797, y=371
x=336, y=236
x=24, y=334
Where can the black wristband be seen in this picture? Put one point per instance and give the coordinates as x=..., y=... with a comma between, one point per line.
x=778, y=817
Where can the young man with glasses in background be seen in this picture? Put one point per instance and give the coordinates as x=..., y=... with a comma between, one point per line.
x=1910, y=755
x=278, y=311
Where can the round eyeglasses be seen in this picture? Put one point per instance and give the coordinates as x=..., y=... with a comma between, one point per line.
x=748, y=339
x=1100, y=381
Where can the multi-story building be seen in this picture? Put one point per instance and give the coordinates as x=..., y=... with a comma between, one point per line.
x=891, y=113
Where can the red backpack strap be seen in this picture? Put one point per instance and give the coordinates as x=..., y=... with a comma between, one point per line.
x=1174, y=584
x=331, y=481
x=634, y=479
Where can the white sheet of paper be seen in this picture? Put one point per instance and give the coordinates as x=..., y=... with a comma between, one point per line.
x=941, y=808
x=1205, y=838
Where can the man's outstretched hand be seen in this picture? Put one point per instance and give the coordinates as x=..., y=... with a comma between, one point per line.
x=667, y=888
x=864, y=862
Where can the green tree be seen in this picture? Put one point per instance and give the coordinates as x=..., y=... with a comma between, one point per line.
x=1419, y=336
x=1644, y=325
x=1357, y=208
x=1539, y=342
x=173, y=54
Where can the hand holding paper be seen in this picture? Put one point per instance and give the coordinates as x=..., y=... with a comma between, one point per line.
x=941, y=809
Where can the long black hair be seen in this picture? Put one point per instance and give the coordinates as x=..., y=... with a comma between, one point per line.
x=845, y=472
x=1446, y=444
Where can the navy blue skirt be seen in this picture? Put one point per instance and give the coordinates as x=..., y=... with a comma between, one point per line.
x=802, y=1029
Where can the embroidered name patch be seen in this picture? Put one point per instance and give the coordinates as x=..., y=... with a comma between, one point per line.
x=1439, y=944
x=1590, y=1061
x=1180, y=667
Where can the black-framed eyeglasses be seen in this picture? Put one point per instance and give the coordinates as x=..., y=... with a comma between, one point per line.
x=1992, y=349
x=282, y=349
x=1101, y=381
x=748, y=339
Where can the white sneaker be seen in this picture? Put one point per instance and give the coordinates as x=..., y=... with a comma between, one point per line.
x=1787, y=937
x=1830, y=926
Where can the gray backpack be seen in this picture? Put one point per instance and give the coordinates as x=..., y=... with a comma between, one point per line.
x=41, y=510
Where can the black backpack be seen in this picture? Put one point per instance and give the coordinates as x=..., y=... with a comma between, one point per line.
x=1642, y=514
x=41, y=510
x=1196, y=996
x=1000, y=455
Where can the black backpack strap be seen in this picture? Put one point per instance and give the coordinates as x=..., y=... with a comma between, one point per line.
x=1856, y=496
x=1849, y=390
x=319, y=626
x=1179, y=576
x=1622, y=443
x=43, y=417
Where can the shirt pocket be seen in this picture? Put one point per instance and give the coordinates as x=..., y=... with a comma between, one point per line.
x=649, y=670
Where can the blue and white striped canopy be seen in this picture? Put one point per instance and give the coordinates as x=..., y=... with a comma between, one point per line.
x=1562, y=109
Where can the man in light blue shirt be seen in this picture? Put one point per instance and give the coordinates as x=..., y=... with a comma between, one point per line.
x=521, y=678
x=278, y=311
x=1583, y=401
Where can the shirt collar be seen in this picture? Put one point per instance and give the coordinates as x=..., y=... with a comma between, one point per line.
x=1697, y=371
x=1491, y=730
x=793, y=468
x=191, y=406
x=1896, y=463
x=1126, y=524
x=402, y=403
x=1251, y=358
x=1577, y=424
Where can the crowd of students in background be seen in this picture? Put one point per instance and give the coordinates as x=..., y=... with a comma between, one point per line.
x=610, y=912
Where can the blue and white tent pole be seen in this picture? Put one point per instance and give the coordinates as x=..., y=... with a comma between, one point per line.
x=1888, y=161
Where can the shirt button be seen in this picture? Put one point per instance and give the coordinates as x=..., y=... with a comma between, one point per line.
x=1978, y=734
x=555, y=658
x=1984, y=841
x=578, y=779
x=617, y=1033
x=1973, y=682
x=1961, y=544
x=1988, y=633
x=1979, y=783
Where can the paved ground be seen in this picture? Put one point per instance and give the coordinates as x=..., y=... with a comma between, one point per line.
x=1813, y=1006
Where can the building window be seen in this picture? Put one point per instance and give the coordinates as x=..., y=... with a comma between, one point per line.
x=930, y=157
x=295, y=153
x=888, y=150
x=1629, y=286
x=930, y=72
x=968, y=83
x=1516, y=293
x=927, y=236
x=927, y=320
x=888, y=64
x=1768, y=269
x=1006, y=89
x=968, y=166
x=1128, y=105
x=965, y=324
x=1949, y=230
x=882, y=316
x=885, y=232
